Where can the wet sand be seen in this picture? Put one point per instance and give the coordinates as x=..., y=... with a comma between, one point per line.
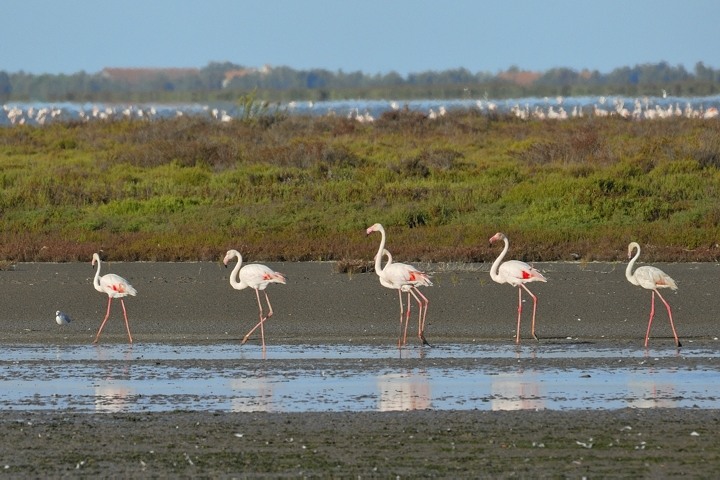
x=181, y=302
x=192, y=303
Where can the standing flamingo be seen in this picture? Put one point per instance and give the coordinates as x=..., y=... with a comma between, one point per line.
x=403, y=278
x=257, y=277
x=384, y=282
x=115, y=287
x=651, y=278
x=517, y=274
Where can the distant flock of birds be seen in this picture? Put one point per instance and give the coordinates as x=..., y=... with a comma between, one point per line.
x=402, y=277
x=641, y=109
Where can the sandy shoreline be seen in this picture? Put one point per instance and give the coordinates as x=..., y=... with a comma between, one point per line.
x=192, y=303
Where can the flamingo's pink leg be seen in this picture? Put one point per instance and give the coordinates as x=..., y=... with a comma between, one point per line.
x=517, y=334
x=652, y=313
x=532, y=328
x=403, y=330
x=127, y=325
x=426, y=303
x=402, y=311
x=102, y=325
x=270, y=310
x=672, y=324
x=407, y=318
x=422, y=305
x=260, y=323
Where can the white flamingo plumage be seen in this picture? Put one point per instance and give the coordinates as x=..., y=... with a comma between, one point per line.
x=516, y=274
x=257, y=277
x=115, y=287
x=403, y=278
x=650, y=278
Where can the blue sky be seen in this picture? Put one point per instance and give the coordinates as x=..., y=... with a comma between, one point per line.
x=372, y=36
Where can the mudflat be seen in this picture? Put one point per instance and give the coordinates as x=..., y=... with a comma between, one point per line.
x=180, y=302
x=193, y=303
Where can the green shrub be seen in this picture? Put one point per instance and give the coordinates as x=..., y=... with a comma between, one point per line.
x=305, y=188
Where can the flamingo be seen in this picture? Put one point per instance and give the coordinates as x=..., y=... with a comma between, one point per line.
x=517, y=274
x=257, y=277
x=403, y=278
x=651, y=278
x=387, y=284
x=115, y=287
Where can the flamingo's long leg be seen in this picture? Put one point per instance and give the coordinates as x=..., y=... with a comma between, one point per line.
x=403, y=330
x=672, y=324
x=262, y=322
x=127, y=325
x=270, y=310
x=402, y=311
x=652, y=313
x=422, y=305
x=102, y=325
x=259, y=324
x=407, y=317
x=519, y=310
x=532, y=328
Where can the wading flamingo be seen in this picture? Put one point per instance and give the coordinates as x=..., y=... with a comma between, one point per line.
x=403, y=278
x=651, y=278
x=115, y=287
x=517, y=274
x=388, y=284
x=257, y=277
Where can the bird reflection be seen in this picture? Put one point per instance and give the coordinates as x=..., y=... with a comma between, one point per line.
x=112, y=392
x=404, y=391
x=516, y=391
x=254, y=394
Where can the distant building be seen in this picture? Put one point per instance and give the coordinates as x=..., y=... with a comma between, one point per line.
x=231, y=75
x=520, y=77
x=136, y=76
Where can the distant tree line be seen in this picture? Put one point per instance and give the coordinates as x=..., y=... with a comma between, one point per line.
x=227, y=81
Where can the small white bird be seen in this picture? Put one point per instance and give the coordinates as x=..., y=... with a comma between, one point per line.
x=62, y=318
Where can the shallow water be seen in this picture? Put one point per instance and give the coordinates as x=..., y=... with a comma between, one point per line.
x=72, y=111
x=319, y=378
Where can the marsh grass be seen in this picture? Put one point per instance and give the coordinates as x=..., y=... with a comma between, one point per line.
x=305, y=188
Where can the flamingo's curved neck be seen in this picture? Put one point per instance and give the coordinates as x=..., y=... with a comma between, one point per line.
x=96, y=280
x=378, y=257
x=389, y=258
x=234, y=275
x=496, y=264
x=628, y=271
